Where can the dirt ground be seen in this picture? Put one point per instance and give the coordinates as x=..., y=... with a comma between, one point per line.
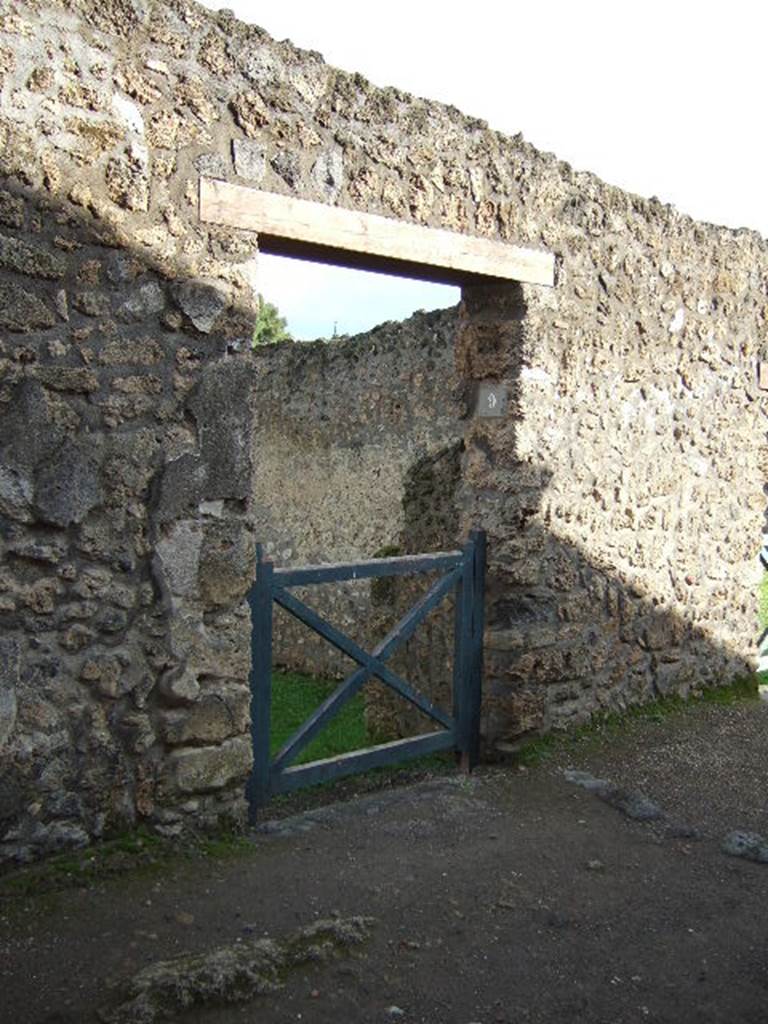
x=512, y=896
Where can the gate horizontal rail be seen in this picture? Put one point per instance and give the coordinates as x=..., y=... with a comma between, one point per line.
x=462, y=571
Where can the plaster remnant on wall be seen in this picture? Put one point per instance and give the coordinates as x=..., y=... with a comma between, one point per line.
x=129, y=113
x=677, y=321
x=536, y=374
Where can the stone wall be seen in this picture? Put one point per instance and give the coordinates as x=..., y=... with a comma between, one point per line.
x=624, y=496
x=622, y=493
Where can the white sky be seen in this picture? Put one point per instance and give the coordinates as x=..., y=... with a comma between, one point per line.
x=660, y=98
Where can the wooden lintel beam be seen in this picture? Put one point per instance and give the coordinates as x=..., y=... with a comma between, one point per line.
x=294, y=225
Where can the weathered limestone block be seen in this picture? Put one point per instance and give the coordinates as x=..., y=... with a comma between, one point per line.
x=47, y=547
x=146, y=301
x=213, y=54
x=678, y=677
x=514, y=714
x=202, y=769
x=122, y=268
x=136, y=84
x=250, y=160
x=113, y=538
x=106, y=675
x=179, y=686
x=227, y=562
x=659, y=632
x=77, y=638
x=195, y=97
x=66, y=378
x=214, y=718
x=41, y=596
x=16, y=489
x=127, y=182
x=12, y=209
x=92, y=303
x=220, y=648
x=138, y=384
x=177, y=558
x=141, y=352
x=135, y=730
x=163, y=129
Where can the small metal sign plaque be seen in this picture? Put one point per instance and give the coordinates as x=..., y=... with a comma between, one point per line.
x=491, y=401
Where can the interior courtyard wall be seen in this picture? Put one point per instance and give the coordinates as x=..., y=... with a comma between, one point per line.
x=342, y=428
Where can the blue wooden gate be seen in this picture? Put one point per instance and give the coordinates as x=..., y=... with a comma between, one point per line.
x=461, y=571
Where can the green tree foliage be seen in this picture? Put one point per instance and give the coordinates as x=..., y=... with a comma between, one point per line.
x=270, y=327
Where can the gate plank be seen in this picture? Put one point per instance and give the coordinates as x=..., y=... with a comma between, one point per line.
x=360, y=760
x=475, y=680
x=462, y=652
x=260, y=600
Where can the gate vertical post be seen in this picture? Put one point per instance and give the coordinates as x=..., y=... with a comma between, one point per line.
x=477, y=627
x=260, y=600
x=462, y=647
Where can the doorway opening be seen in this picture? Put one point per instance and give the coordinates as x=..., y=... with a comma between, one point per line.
x=356, y=453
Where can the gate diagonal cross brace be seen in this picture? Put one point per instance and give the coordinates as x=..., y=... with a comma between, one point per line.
x=370, y=664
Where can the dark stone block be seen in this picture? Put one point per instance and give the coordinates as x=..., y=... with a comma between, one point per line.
x=221, y=407
x=28, y=430
x=12, y=797
x=203, y=302
x=22, y=311
x=68, y=486
x=181, y=488
x=25, y=258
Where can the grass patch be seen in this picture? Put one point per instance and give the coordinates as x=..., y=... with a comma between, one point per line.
x=295, y=697
x=612, y=724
